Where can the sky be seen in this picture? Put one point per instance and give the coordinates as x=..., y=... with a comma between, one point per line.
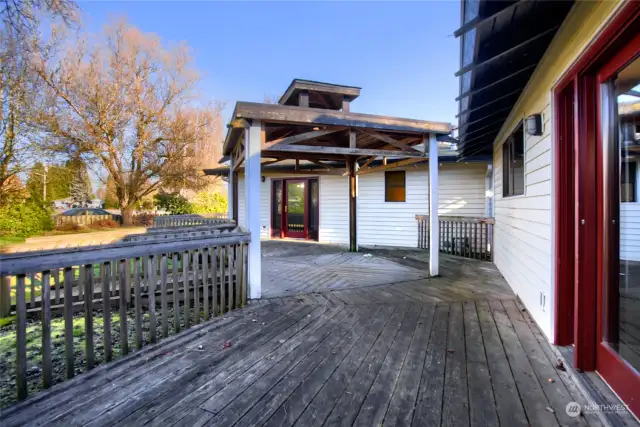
x=402, y=54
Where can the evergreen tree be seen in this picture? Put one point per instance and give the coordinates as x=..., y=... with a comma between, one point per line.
x=80, y=191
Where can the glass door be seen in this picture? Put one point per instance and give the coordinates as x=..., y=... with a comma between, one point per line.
x=618, y=350
x=295, y=209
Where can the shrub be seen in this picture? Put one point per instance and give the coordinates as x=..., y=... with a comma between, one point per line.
x=24, y=220
x=206, y=202
x=143, y=219
x=173, y=203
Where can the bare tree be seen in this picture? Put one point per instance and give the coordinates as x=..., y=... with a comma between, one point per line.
x=126, y=102
x=21, y=16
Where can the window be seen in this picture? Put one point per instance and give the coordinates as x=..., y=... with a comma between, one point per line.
x=513, y=164
x=628, y=181
x=395, y=186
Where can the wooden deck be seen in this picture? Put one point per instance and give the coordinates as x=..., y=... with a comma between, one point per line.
x=457, y=350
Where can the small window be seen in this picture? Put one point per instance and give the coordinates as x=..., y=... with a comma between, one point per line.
x=395, y=186
x=628, y=175
x=513, y=164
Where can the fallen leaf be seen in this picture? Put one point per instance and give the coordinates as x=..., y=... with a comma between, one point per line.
x=560, y=365
x=450, y=350
x=551, y=380
x=227, y=344
x=550, y=409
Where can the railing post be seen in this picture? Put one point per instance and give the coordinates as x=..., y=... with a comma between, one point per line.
x=5, y=296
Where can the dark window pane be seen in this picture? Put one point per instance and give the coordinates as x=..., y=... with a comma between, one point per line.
x=513, y=164
x=395, y=186
x=628, y=182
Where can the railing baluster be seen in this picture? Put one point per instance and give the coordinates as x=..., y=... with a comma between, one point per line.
x=185, y=280
x=204, y=256
x=230, y=279
x=214, y=279
x=21, y=337
x=151, y=295
x=196, y=286
x=88, y=314
x=124, y=286
x=47, y=370
x=32, y=296
x=222, y=254
x=68, y=320
x=106, y=308
x=163, y=296
x=56, y=280
x=138, y=302
x=176, y=294
x=237, y=260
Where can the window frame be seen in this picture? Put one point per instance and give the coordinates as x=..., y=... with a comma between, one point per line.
x=508, y=151
x=388, y=185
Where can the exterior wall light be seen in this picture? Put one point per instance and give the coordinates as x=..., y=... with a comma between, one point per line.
x=533, y=125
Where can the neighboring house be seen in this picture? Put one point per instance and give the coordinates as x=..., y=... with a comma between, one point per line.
x=551, y=90
x=310, y=200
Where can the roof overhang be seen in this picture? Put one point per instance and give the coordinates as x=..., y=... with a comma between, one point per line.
x=246, y=112
x=501, y=44
x=290, y=96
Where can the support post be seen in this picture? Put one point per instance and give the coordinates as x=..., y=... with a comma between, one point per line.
x=434, y=229
x=234, y=188
x=230, y=193
x=303, y=99
x=353, y=193
x=345, y=105
x=253, y=143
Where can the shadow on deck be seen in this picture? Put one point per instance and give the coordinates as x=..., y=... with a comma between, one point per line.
x=382, y=347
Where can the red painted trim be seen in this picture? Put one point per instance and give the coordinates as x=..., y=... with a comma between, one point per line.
x=564, y=214
x=585, y=227
x=621, y=376
x=625, y=16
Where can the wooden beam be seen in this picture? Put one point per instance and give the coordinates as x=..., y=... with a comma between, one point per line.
x=633, y=93
x=345, y=104
x=352, y=139
x=331, y=172
x=475, y=65
x=272, y=113
x=345, y=151
x=319, y=163
x=368, y=162
x=405, y=162
x=389, y=140
x=238, y=124
x=303, y=99
x=299, y=138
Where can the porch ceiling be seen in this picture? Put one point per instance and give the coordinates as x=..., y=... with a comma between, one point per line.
x=502, y=42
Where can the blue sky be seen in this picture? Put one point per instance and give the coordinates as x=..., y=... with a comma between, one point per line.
x=403, y=55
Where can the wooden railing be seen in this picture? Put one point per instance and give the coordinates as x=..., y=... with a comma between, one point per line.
x=175, y=283
x=470, y=237
x=164, y=221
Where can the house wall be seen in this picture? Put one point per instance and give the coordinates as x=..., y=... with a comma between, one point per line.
x=461, y=193
x=524, y=249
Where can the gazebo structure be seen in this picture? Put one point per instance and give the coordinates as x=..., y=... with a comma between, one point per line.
x=312, y=123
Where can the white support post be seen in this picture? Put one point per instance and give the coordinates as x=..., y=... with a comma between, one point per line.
x=434, y=228
x=230, y=188
x=253, y=144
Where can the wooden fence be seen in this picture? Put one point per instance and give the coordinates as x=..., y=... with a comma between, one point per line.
x=469, y=237
x=176, y=282
x=84, y=220
x=164, y=221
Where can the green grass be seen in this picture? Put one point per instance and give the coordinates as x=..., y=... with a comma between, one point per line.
x=10, y=240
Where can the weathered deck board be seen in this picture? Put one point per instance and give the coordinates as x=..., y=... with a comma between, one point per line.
x=457, y=350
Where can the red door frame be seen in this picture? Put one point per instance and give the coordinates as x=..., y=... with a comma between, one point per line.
x=283, y=215
x=587, y=257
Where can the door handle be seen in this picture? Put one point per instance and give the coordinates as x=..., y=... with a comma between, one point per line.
x=285, y=209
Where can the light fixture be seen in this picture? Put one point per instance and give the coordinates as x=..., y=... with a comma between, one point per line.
x=263, y=178
x=533, y=124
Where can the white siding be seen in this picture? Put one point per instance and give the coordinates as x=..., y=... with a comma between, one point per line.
x=461, y=193
x=630, y=231
x=522, y=234
x=334, y=208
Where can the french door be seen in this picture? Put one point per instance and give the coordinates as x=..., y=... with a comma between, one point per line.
x=618, y=305
x=295, y=208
